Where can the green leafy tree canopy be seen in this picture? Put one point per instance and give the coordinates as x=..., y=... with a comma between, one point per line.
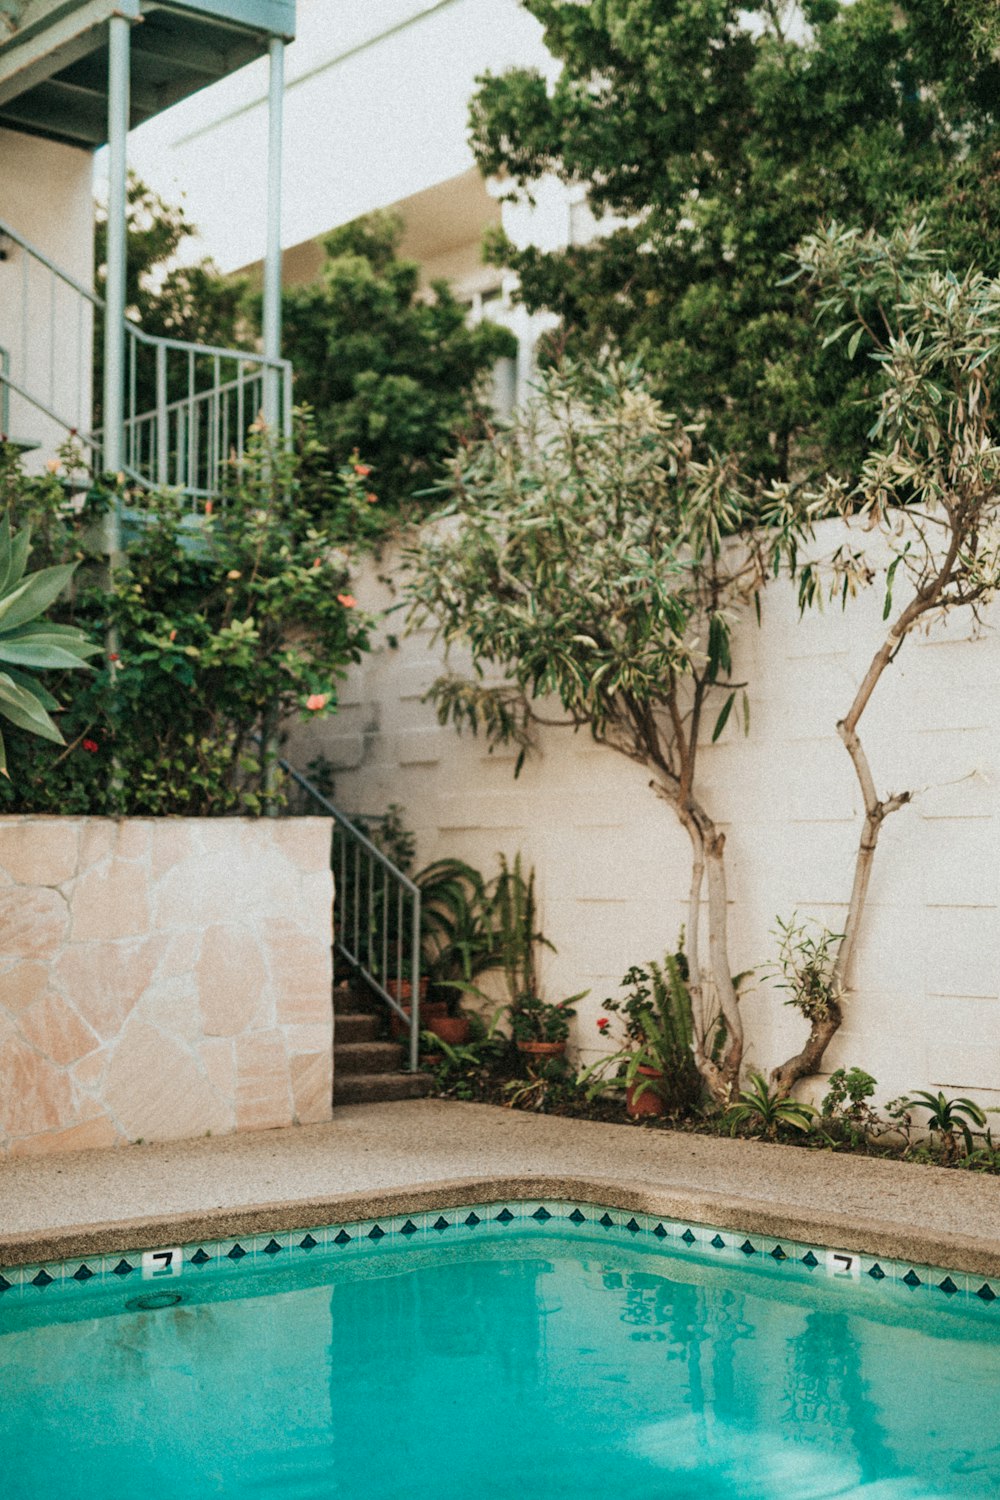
x=717, y=133
x=390, y=370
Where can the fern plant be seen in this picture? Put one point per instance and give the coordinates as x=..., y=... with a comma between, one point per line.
x=29, y=644
x=658, y=1036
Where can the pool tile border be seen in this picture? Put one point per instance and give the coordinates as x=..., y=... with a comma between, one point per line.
x=492, y=1220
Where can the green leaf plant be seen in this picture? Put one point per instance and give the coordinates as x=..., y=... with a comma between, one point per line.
x=762, y=1110
x=929, y=489
x=230, y=621
x=595, y=570
x=29, y=643
x=656, y=1011
x=947, y=1119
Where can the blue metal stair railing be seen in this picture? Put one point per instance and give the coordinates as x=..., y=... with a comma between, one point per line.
x=377, y=906
x=188, y=407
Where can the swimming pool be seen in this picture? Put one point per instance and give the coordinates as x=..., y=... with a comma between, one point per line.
x=515, y=1349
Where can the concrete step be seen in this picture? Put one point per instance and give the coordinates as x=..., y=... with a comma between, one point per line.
x=356, y=1026
x=379, y=1088
x=352, y=998
x=366, y=1057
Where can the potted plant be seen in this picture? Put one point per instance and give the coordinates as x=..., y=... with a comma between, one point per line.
x=655, y=1064
x=539, y=1028
x=458, y=942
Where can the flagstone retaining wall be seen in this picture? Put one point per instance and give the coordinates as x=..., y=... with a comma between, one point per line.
x=162, y=978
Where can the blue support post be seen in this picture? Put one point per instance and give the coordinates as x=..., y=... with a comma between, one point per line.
x=272, y=257
x=119, y=29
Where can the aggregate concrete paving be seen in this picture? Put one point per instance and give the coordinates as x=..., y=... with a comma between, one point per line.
x=380, y=1158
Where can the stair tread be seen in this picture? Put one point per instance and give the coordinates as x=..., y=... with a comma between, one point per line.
x=373, y=1088
x=367, y=1058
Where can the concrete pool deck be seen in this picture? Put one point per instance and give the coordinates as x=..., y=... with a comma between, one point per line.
x=374, y=1159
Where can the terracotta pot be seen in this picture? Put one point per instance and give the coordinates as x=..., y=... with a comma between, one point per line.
x=402, y=989
x=649, y=1104
x=542, y=1049
x=430, y=1011
x=451, y=1029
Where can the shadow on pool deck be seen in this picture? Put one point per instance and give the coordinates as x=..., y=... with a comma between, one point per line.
x=379, y=1158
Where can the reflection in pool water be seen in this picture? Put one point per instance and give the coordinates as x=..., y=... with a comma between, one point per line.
x=545, y=1367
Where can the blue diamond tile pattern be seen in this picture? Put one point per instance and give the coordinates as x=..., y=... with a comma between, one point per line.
x=69, y=1278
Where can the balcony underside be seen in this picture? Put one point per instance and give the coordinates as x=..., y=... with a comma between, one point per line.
x=54, y=60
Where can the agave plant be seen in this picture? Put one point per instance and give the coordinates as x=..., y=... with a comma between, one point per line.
x=764, y=1109
x=29, y=644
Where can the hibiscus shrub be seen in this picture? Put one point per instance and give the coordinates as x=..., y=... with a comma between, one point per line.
x=223, y=623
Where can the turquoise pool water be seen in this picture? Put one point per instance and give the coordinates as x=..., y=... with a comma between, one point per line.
x=555, y=1364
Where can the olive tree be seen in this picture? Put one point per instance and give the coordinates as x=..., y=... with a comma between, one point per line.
x=594, y=569
x=929, y=487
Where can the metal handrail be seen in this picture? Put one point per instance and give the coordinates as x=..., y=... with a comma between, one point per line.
x=363, y=937
x=10, y=233
x=7, y=385
x=183, y=440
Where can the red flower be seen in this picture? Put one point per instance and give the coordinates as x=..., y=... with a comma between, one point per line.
x=363, y=469
x=347, y=600
x=91, y=746
x=602, y=1024
x=113, y=656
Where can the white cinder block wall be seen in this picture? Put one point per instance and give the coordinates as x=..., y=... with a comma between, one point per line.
x=613, y=866
x=46, y=194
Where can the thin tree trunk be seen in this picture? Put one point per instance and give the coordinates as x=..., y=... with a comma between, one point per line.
x=823, y=1028
x=721, y=1076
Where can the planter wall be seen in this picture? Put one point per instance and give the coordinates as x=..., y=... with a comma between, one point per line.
x=162, y=978
x=613, y=866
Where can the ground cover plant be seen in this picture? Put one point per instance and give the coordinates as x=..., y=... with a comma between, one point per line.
x=221, y=625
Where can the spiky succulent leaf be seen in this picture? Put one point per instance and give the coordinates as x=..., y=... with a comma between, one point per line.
x=22, y=706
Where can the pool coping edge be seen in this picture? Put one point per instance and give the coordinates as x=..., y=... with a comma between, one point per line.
x=970, y=1253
